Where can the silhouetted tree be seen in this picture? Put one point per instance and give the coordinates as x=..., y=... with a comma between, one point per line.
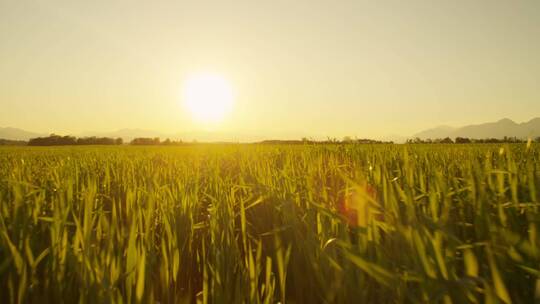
x=462, y=140
x=447, y=140
x=53, y=140
x=96, y=141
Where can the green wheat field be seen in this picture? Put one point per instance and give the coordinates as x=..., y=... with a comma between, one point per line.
x=270, y=224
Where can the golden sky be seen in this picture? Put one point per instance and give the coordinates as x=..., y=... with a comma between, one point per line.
x=315, y=68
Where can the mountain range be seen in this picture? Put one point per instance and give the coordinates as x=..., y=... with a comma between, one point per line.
x=498, y=129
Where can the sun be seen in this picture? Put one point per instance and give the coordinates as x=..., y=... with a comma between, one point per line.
x=208, y=97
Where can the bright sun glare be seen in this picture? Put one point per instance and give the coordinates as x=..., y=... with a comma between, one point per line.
x=208, y=97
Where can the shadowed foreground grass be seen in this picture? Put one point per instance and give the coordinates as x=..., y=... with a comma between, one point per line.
x=263, y=224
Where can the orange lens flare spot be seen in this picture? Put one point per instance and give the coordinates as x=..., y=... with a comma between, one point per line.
x=358, y=206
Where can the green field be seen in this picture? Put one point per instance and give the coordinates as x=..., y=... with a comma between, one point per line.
x=267, y=224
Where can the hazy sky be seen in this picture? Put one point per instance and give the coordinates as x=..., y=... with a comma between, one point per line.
x=320, y=68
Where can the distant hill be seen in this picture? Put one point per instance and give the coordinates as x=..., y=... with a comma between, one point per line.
x=498, y=129
x=17, y=134
x=437, y=132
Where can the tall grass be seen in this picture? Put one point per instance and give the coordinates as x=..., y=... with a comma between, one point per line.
x=267, y=224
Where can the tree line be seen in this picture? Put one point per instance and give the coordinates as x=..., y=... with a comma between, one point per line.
x=57, y=140
x=144, y=141
x=466, y=140
x=345, y=140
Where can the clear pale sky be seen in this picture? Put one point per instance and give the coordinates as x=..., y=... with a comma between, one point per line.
x=321, y=68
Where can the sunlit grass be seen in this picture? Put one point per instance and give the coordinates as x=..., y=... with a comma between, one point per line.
x=262, y=224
